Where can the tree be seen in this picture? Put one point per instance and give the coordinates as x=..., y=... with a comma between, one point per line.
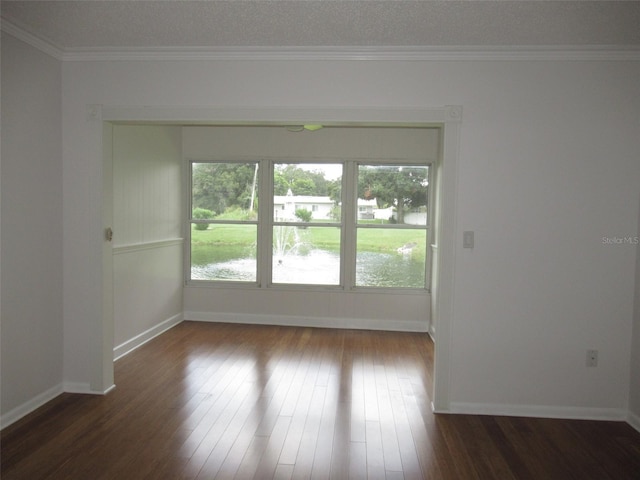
x=219, y=186
x=334, y=190
x=403, y=187
x=300, y=181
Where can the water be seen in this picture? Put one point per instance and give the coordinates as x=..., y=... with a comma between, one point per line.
x=314, y=266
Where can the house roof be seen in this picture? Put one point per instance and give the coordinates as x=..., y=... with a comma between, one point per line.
x=281, y=199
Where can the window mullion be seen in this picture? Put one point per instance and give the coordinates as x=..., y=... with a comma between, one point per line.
x=430, y=239
x=349, y=231
x=265, y=223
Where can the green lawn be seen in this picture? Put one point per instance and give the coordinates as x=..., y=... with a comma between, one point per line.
x=241, y=235
x=382, y=240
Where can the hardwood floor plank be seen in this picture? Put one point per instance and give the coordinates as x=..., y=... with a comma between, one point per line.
x=406, y=444
x=306, y=451
x=324, y=443
x=227, y=429
x=341, y=442
x=241, y=444
x=227, y=401
x=249, y=465
x=616, y=448
x=390, y=446
x=375, y=453
x=357, y=401
x=358, y=460
x=283, y=472
x=269, y=460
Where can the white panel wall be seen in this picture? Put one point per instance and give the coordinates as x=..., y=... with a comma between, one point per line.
x=548, y=166
x=147, y=184
x=31, y=258
x=147, y=261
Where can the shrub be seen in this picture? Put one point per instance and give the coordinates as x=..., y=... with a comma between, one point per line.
x=202, y=214
x=303, y=215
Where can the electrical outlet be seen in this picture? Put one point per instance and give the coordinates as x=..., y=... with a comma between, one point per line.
x=592, y=358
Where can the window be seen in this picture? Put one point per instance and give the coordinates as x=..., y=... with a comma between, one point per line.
x=224, y=221
x=304, y=235
x=391, y=232
x=306, y=241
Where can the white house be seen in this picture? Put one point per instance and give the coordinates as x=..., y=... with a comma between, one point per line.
x=285, y=206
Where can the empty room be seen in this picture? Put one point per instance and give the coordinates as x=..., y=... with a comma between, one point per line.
x=320, y=239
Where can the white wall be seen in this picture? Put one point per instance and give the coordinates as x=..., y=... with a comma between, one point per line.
x=31, y=258
x=634, y=397
x=548, y=166
x=317, y=308
x=147, y=244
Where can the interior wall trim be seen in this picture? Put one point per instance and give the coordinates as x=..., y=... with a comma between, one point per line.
x=32, y=404
x=44, y=45
x=634, y=421
x=136, y=247
x=149, y=334
x=537, y=411
x=308, y=321
x=612, y=53
x=411, y=54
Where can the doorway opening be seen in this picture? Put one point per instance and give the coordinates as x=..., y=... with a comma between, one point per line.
x=114, y=118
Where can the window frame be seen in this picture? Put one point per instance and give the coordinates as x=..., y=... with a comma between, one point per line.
x=191, y=221
x=327, y=224
x=365, y=226
x=348, y=225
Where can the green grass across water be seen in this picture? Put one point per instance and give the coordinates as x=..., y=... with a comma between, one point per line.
x=381, y=240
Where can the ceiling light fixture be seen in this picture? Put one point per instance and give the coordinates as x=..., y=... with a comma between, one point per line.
x=300, y=128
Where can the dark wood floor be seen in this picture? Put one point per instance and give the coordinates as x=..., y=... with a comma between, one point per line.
x=226, y=401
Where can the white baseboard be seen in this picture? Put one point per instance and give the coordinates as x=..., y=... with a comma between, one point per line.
x=39, y=400
x=139, y=340
x=538, y=411
x=302, y=321
x=432, y=333
x=634, y=421
x=26, y=408
x=84, y=388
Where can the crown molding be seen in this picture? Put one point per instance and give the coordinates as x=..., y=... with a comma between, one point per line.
x=44, y=45
x=416, y=53
x=613, y=53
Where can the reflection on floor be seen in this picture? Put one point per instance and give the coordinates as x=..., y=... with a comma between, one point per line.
x=212, y=401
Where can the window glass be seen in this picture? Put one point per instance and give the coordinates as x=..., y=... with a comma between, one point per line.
x=391, y=257
x=224, y=214
x=224, y=252
x=306, y=255
x=391, y=239
x=306, y=230
x=307, y=192
x=396, y=194
x=387, y=229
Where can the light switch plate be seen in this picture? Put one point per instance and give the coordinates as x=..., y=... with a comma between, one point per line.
x=467, y=239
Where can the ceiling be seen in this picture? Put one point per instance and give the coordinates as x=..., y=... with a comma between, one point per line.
x=70, y=25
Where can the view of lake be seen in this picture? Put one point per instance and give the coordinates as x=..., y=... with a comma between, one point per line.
x=313, y=267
